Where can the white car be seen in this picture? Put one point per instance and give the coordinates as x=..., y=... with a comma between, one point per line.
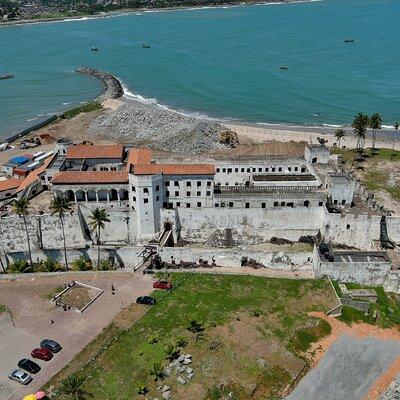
x=20, y=376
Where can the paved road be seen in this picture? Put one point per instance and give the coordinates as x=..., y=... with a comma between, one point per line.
x=348, y=369
x=32, y=311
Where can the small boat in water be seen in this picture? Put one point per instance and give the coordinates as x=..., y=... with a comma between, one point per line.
x=94, y=49
x=146, y=46
x=349, y=40
x=6, y=76
x=283, y=67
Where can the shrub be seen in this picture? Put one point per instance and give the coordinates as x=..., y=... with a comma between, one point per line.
x=153, y=340
x=195, y=326
x=157, y=371
x=105, y=265
x=142, y=388
x=181, y=342
x=82, y=264
x=19, y=267
x=49, y=265
x=171, y=352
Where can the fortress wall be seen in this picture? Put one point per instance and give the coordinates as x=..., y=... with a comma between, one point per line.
x=232, y=257
x=393, y=226
x=352, y=230
x=248, y=225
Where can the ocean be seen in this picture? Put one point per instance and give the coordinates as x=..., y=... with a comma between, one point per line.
x=219, y=62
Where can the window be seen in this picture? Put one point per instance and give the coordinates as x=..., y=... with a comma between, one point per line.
x=167, y=183
x=296, y=168
x=209, y=183
x=157, y=188
x=223, y=169
x=248, y=170
x=145, y=201
x=343, y=202
x=334, y=201
x=289, y=169
x=291, y=205
x=187, y=205
x=229, y=170
x=198, y=183
x=133, y=208
x=263, y=205
x=188, y=194
x=275, y=204
x=199, y=204
x=236, y=184
x=254, y=170
x=280, y=169
x=306, y=203
x=165, y=204
x=216, y=205
x=208, y=193
x=176, y=183
x=236, y=169
x=266, y=169
x=226, y=183
x=133, y=189
x=283, y=204
x=178, y=203
x=247, y=205
x=222, y=204
x=273, y=169
x=217, y=170
x=167, y=193
x=321, y=203
x=259, y=169
x=198, y=193
x=241, y=169
x=145, y=190
x=348, y=226
x=188, y=184
x=230, y=204
x=134, y=198
x=176, y=193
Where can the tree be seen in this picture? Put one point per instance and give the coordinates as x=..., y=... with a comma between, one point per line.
x=360, y=125
x=21, y=208
x=375, y=123
x=98, y=218
x=339, y=134
x=60, y=205
x=73, y=386
x=157, y=371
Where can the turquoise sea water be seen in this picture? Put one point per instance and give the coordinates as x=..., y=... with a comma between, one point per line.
x=221, y=62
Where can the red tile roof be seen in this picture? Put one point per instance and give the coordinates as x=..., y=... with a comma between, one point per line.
x=95, y=177
x=174, y=169
x=9, y=184
x=33, y=176
x=106, y=151
x=139, y=157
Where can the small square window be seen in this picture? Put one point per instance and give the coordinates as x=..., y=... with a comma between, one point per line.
x=230, y=204
x=133, y=189
x=157, y=198
x=198, y=183
x=217, y=169
x=178, y=203
x=266, y=169
x=248, y=170
x=247, y=205
x=222, y=204
x=289, y=169
x=198, y=193
x=208, y=183
x=145, y=190
x=188, y=194
x=187, y=205
x=145, y=201
x=134, y=198
x=199, y=204
x=167, y=183
x=176, y=193
x=263, y=205
x=280, y=169
x=229, y=170
x=276, y=204
x=296, y=168
x=208, y=193
x=188, y=184
x=223, y=169
x=321, y=203
x=343, y=202
x=167, y=193
x=236, y=169
x=157, y=188
x=241, y=169
x=283, y=204
x=226, y=183
x=176, y=183
x=348, y=226
x=216, y=205
x=273, y=169
x=254, y=170
x=259, y=169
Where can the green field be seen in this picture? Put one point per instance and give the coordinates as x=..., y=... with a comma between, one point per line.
x=255, y=334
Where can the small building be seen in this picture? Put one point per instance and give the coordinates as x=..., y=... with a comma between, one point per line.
x=14, y=162
x=8, y=188
x=340, y=187
x=317, y=154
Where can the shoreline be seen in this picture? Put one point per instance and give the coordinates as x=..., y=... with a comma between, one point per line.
x=127, y=11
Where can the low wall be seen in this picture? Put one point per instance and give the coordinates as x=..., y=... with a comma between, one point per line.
x=393, y=227
x=232, y=258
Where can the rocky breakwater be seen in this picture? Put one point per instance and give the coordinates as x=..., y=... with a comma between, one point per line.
x=112, y=85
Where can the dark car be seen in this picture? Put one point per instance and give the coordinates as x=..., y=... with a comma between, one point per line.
x=149, y=301
x=51, y=345
x=42, y=354
x=28, y=365
x=162, y=285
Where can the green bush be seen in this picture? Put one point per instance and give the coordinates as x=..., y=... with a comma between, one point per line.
x=105, y=265
x=49, y=265
x=19, y=267
x=82, y=264
x=88, y=107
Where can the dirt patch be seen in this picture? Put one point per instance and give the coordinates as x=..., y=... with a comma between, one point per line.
x=128, y=316
x=77, y=297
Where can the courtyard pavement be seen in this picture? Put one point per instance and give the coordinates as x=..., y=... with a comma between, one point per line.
x=32, y=313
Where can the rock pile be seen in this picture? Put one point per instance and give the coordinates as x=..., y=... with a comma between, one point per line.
x=393, y=391
x=113, y=86
x=151, y=125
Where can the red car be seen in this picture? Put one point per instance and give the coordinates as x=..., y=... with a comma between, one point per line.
x=42, y=354
x=162, y=285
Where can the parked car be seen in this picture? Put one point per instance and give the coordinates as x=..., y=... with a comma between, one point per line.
x=149, y=301
x=42, y=354
x=28, y=365
x=51, y=345
x=20, y=376
x=162, y=285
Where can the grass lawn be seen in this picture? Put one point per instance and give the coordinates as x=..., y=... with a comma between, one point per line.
x=88, y=107
x=256, y=331
x=387, y=306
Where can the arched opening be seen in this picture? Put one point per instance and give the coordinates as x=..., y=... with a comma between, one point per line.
x=306, y=203
x=303, y=169
x=102, y=195
x=69, y=194
x=91, y=195
x=168, y=226
x=114, y=195
x=80, y=195
x=123, y=194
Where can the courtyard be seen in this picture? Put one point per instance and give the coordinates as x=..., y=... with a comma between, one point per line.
x=33, y=317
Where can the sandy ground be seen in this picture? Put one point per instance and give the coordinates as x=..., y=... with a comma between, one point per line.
x=32, y=312
x=357, y=332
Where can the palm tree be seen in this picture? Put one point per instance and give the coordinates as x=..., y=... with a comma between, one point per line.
x=360, y=125
x=73, y=386
x=21, y=208
x=375, y=123
x=339, y=134
x=98, y=218
x=60, y=205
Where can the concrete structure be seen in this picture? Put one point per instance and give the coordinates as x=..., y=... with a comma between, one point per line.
x=340, y=187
